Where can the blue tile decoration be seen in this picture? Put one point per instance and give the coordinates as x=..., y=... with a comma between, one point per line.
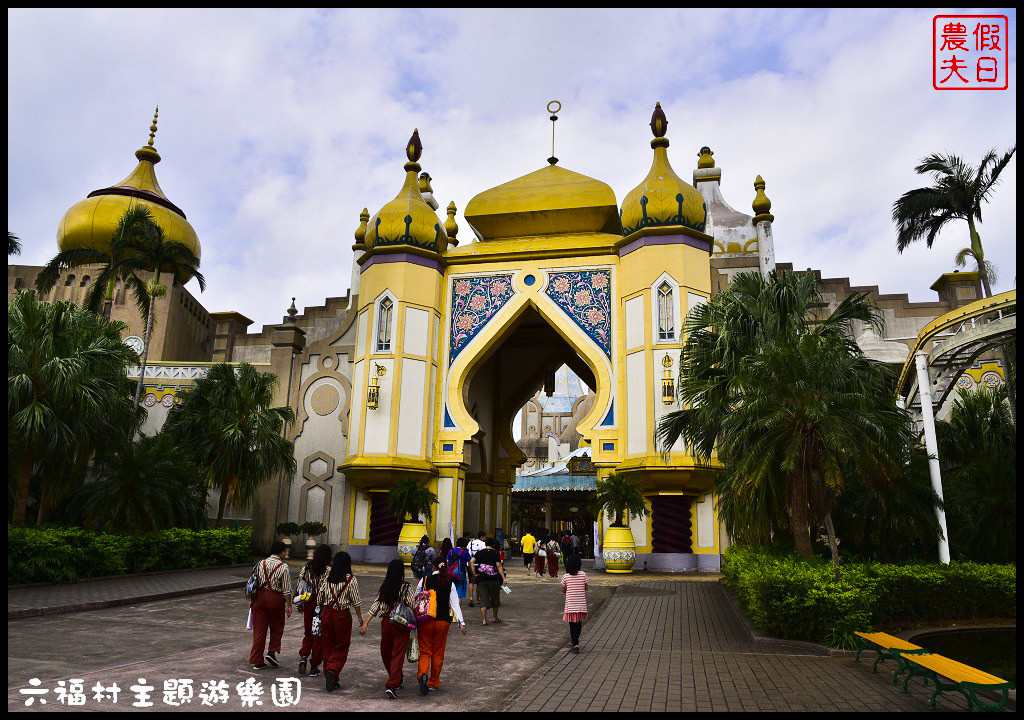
x=448, y=423
x=585, y=295
x=475, y=300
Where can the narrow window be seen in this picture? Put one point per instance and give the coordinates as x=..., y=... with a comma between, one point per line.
x=384, y=326
x=666, y=321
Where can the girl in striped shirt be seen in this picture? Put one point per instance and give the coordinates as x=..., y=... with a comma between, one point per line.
x=574, y=585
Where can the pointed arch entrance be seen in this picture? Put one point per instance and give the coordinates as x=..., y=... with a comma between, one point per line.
x=520, y=357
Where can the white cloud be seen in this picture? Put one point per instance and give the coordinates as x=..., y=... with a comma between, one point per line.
x=278, y=127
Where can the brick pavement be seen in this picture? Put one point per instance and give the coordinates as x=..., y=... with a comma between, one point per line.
x=680, y=646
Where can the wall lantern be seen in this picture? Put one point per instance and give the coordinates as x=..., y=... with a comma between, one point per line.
x=668, y=386
x=373, y=391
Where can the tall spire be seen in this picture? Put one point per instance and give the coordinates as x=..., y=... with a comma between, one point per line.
x=147, y=151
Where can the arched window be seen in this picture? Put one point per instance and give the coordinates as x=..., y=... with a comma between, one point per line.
x=85, y=281
x=666, y=319
x=69, y=281
x=384, y=326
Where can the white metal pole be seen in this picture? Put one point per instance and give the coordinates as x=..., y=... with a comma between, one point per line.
x=932, y=446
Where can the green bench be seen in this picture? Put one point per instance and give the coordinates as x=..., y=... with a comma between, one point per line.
x=888, y=647
x=964, y=679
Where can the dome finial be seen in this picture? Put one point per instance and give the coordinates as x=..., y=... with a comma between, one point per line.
x=705, y=158
x=450, y=227
x=415, y=148
x=152, y=128
x=554, y=107
x=292, y=312
x=659, y=123
x=762, y=205
x=364, y=218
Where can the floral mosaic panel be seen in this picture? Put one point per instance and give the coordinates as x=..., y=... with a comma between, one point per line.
x=475, y=300
x=585, y=295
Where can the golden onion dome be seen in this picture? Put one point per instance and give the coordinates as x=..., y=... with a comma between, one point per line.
x=549, y=201
x=90, y=223
x=663, y=198
x=407, y=220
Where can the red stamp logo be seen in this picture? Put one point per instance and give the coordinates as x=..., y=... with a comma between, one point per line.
x=970, y=52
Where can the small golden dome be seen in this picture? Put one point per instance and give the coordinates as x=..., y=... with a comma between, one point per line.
x=762, y=205
x=663, y=198
x=408, y=220
x=90, y=223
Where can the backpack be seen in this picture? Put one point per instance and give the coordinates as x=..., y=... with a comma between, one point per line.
x=456, y=570
x=419, y=559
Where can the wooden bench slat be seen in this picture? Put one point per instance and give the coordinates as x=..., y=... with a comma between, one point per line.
x=954, y=670
x=888, y=641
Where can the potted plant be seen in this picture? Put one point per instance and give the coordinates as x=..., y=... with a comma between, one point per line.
x=408, y=499
x=620, y=497
x=286, y=530
x=312, y=529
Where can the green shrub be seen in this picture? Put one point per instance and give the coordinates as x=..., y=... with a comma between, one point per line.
x=70, y=554
x=791, y=598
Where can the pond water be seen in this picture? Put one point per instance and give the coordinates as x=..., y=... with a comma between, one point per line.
x=994, y=651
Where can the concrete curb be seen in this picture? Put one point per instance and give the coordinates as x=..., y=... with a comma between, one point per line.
x=118, y=602
x=140, y=575
x=760, y=638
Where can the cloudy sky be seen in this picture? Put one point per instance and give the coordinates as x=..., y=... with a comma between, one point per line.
x=278, y=126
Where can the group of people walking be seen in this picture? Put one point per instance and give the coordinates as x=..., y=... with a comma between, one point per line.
x=543, y=551
x=442, y=578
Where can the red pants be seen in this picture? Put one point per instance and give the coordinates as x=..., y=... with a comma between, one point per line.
x=433, y=636
x=538, y=564
x=394, y=641
x=552, y=566
x=267, y=612
x=312, y=646
x=336, y=636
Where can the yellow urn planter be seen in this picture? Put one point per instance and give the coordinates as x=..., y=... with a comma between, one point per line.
x=619, y=552
x=408, y=539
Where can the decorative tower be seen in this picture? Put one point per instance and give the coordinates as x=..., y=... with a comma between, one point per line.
x=664, y=271
x=394, y=375
x=763, y=224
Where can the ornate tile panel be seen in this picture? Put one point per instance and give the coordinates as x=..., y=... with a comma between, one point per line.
x=475, y=300
x=585, y=295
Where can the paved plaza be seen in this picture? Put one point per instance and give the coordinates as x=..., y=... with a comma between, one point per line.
x=655, y=643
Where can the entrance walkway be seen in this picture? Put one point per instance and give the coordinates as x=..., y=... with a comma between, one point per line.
x=680, y=646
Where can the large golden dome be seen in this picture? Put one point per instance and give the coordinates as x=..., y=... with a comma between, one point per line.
x=91, y=222
x=407, y=220
x=549, y=201
x=663, y=198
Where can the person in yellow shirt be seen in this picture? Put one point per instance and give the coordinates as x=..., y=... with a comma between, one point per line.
x=528, y=542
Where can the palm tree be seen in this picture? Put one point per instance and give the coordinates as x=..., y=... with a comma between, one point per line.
x=621, y=497
x=68, y=393
x=136, y=247
x=148, y=484
x=789, y=402
x=234, y=434
x=978, y=452
x=100, y=296
x=13, y=244
x=958, y=192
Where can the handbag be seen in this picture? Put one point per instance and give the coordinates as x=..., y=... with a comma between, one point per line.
x=303, y=591
x=541, y=552
x=426, y=605
x=402, y=615
x=412, y=653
